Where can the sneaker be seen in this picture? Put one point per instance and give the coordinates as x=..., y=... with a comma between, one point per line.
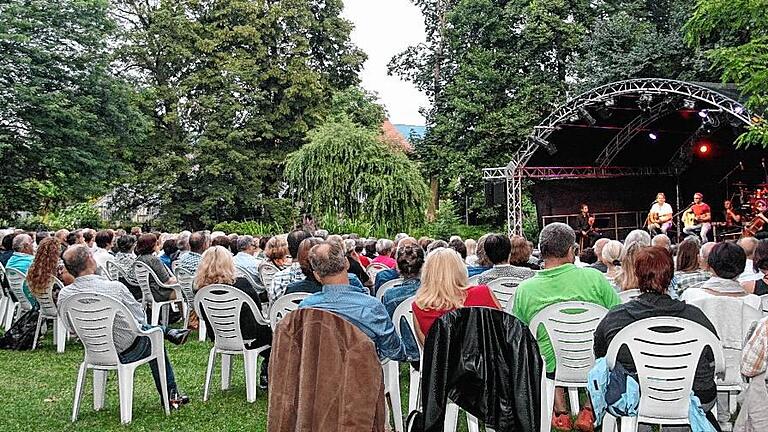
x=176, y=400
x=585, y=422
x=562, y=422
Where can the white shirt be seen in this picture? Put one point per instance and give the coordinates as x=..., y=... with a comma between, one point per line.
x=749, y=273
x=660, y=210
x=101, y=256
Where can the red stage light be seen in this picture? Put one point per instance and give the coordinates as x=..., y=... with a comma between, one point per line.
x=703, y=149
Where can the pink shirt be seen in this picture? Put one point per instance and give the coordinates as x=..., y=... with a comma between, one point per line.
x=387, y=261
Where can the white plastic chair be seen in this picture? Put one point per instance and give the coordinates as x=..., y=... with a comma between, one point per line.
x=666, y=364
x=21, y=305
x=764, y=304
x=405, y=312
x=92, y=317
x=387, y=285
x=143, y=273
x=629, y=295
x=504, y=289
x=283, y=306
x=473, y=280
x=4, y=297
x=102, y=271
x=48, y=311
x=571, y=329
x=267, y=273
x=115, y=272
x=222, y=305
x=374, y=268
x=186, y=281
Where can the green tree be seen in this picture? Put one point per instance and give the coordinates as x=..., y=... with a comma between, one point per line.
x=232, y=87
x=62, y=114
x=347, y=172
x=737, y=34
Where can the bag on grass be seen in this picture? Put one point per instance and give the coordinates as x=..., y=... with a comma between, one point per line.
x=21, y=334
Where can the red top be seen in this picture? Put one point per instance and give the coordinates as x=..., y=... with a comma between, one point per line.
x=700, y=209
x=364, y=261
x=479, y=295
x=387, y=261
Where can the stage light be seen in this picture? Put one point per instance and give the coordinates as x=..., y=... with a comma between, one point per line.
x=609, y=102
x=645, y=101
x=689, y=104
x=704, y=149
x=739, y=109
x=584, y=114
x=548, y=146
x=573, y=118
x=653, y=136
x=704, y=113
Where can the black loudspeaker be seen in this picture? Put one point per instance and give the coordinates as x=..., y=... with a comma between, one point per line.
x=495, y=193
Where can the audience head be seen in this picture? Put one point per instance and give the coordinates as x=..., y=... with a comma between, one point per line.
x=424, y=242
x=612, y=253
x=74, y=237
x=8, y=241
x=641, y=237
x=704, y=252
x=471, y=246
x=599, y=245
x=222, y=241
x=88, y=236
x=748, y=244
x=349, y=246
x=399, y=237
x=662, y=241
x=587, y=256
x=384, y=247
x=276, y=249
x=727, y=260
x=443, y=281
x=78, y=261
x=653, y=269
x=146, y=244
x=246, y=244
x=126, y=243
x=458, y=245
x=104, y=239
x=520, y=251
x=22, y=243
x=370, y=248
x=410, y=259
x=44, y=266
x=61, y=235
x=436, y=245
x=170, y=247
x=482, y=258
x=263, y=242
x=760, y=260
x=216, y=267
x=556, y=242
x=136, y=231
x=688, y=256
x=328, y=261
x=198, y=242
x=182, y=241
x=294, y=240
x=359, y=246
x=304, y=248
x=497, y=248
x=323, y=234
x=41, y=235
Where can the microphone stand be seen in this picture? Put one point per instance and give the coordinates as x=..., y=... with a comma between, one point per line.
x=730, y=173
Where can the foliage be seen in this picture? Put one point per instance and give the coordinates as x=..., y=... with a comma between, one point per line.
x=253, y=228
x=737, y=32
x=358, y=105
x=363, y=228
x=61, y=111
x=231, y=87
x=346, y=171
x=82, y=215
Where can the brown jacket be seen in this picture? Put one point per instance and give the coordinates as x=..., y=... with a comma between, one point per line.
x=324, y=375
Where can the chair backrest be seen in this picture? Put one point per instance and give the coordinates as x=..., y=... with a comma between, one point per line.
x=283, y=306
x=222, y=305
x=102, y=271
x=666, y=351
x=256, y=284
x=16, y=282
x=47, y=307
x=374, y=268
x=473, y=280
x=267, y=272
x=92, y=316
x=571, y=329
x=186, y=281
x=504, y=289
x=115, y=272
x=404, y=311
x=629, y=295
x=764, y=304
x=3, y=290
x=387, y=285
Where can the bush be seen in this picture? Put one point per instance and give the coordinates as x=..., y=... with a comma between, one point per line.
x=254, y=228
x=31, y=223
x=82, y=215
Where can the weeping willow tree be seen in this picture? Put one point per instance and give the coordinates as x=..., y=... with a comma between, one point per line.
x=347, y=171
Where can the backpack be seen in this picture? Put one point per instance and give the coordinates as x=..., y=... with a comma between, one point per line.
x=21, y=334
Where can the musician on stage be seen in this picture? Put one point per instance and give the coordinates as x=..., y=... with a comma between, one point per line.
x=585, y=229
x=660, y=216
x=702, y=217
x=732, y=216
x=762, y=213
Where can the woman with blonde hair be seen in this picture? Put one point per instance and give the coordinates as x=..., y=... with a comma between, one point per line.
x=444, y=288
x=218, y=267
x=47, y=265
x=276, y=252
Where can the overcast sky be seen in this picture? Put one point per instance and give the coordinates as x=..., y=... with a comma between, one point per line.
x=384, y=28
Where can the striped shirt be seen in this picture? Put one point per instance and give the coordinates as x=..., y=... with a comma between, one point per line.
x=753, y=356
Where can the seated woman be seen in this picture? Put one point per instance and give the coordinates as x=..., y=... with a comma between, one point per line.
x=124, y=258
x=760, y=263
x=47, y=265
x=444, y=288
x=688, y=274
x=653, y=270
x=276, y=252
x=218, y=267
x=309, y=284
x=146, y=248
x=611, y=256
x=727, y=261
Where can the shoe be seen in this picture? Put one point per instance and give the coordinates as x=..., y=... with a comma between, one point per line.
x=176, y=400
x=177, y=337
x=263, y=382
x=585, y=422
x=562, y=422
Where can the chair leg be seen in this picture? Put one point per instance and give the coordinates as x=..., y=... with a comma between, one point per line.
x=732, y=402
x=99, y=388
x=60, y=333
x=79, y=390
x=251, y=363
x=472, y=424
x=573, y=398
x=413, y=390
x=629, y=424
x=37, y=330
x=201, y=331
x=609, y=423
x=155, y=313
x=209, y=373
x=226, y=371
x=161, y=367
x=125, y=385
x=394, y=394
x=10, y=313
x=3, y=308
x=451, y=417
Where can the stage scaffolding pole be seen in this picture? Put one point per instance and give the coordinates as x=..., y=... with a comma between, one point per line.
x=677, y=195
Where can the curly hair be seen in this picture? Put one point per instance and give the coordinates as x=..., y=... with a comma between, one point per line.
x=44, y=266
x=216, y=267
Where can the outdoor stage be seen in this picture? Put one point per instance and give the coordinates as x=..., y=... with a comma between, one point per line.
x=616, y=146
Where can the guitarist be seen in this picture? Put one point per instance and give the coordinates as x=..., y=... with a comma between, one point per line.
x=702, y=217
x=660, y=216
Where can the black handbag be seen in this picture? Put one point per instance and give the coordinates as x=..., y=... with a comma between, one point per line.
x=22, y=333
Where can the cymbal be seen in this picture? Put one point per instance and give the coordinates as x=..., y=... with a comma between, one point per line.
x=741, y=184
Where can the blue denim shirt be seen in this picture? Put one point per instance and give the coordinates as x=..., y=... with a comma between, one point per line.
x=383, y=277
x=361, y=309
x=392, y=299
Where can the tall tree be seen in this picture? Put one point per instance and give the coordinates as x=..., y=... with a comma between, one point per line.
x=61, y=112
x=233, y=86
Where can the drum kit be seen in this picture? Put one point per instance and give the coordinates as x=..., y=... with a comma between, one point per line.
x=749, y=196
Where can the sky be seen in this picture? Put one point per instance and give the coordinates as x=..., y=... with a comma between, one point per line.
x=384, y=28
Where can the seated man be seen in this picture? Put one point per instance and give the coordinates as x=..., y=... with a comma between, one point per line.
x=560, y=281
x=80, y=264
x=103, y=251
x=198, y=243
x=356, y=305
x=22, y=259
x=498, y=249
x=245, y=259
x=410, y=259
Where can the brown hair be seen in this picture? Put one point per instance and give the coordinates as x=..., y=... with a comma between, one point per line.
x=521, y=250
x=146, y=244
x=44, y=266
x=303, y=255
x=276, y=249
x=688, y=256
x=653, y=269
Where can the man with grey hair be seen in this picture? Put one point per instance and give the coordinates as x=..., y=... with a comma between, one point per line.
x=182, y=242
x=704, y=252
x=199, y=241
x=641, y=237
x=384, y=249
x=749, y=244
x=245, y=259
x=560, y=281
x=661, y=240
x=130, y=348
x=356, y=305
x=599, y=245
x=21, y=259
x=323, y=234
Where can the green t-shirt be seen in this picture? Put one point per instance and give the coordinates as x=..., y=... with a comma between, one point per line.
x=560, y=284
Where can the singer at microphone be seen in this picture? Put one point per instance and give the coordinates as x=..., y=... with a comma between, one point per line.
x=660, y=216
